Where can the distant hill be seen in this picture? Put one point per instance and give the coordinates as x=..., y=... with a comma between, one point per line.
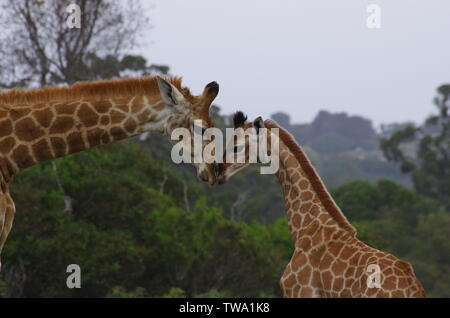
x=332, y=133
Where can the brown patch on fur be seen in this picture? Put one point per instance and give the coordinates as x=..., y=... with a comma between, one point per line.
x=296, y=291
x=315, y=281
x=304, y=275
x=295, y=205
x=388, y=271
x=402, y=282
x=371, y=292
x=317, y=238
x=317, y=184
x=58, y=146
x=349, y=272
x=306, y=196
x=5, y=127
x=315, y=257
x=102, y=106
x=38, y=105
x=338, y=284
x=22, y=157
x=18, y=113
x=7, y=144
x=62, y=124
x=65, y=109
x=303, y=184
x=94, y=136
x=87, y=116
x=130, y=125
x=346, y=253
x=327, y=278
x=75, y=142
x=325, y=262
x=346, y=294
x=304, y=243
x=106, y=139
x=296, y=221
x=299, y=261
x=41, y=150
x=159, y=106
x=305, y=208
x=306, y=292
x=338, y=267
x=335, y=248
x=44, y=117
x=144, y=115
x=123, y=107
x=138, y=104
x=315, y=210
x=27, y=130
x=118, y=133
x=295, y=177
x=117, y=117
x=290, y=281
x=104, y=120
x=7, y=169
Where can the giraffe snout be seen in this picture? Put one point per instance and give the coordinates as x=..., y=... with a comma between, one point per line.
x=208, y=174
x=213, y=87
x=220, y=173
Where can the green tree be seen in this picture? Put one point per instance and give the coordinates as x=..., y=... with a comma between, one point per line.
x=432, y=253
x=359, y=200
x=131, y=234
x=424, y=151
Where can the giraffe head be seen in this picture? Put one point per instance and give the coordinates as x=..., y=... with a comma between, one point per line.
x=186, y=110
x=240, y=146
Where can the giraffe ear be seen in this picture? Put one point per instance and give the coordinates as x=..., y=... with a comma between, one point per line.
x=169, y=93
x=258, y=123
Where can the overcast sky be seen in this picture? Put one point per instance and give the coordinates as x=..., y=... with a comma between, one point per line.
x=302, y=56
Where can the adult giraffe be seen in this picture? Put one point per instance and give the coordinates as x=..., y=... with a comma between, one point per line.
x=42, y=124
x=328, y=260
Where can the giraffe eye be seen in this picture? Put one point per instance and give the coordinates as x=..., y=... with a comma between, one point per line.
x=238, y=149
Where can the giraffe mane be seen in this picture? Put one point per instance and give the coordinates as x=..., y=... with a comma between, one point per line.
x=92, y=90
x=316, y=182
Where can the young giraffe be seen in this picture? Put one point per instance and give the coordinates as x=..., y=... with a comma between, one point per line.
x=328, y=261
x=43, y=124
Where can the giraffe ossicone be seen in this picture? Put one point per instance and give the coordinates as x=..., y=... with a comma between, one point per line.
x=328, y=260
x=37, y=125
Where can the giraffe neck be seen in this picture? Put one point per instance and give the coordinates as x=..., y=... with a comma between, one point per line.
x=30, y=134
x=308, y=204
